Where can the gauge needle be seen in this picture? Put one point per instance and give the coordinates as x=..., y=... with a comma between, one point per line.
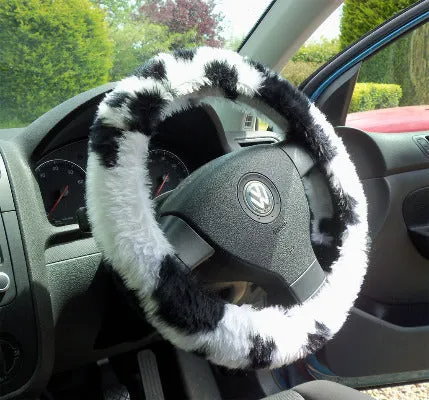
x=63, y=193
x=161, y=185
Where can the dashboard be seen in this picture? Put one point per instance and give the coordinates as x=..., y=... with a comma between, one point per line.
x=61, y=172
x=61, y=177
x=62, y=309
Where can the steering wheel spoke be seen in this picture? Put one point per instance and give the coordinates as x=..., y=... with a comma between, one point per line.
x=301, y=158
x=189, y=246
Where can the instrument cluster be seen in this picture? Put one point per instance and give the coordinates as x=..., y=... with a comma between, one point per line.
x=61, y=176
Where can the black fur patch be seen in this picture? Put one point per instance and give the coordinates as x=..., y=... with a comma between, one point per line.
x=258, y=66
x=293, y=105
x=345, y=213
x=261, y=354
x=326, y=225
x=317, y=340
x=284, y=98
x=153, y=69
x=182, y=303
x=145, y=111
x=104, y=142
x=223, y=76
x=320, y=144
x=326, y=255
x=323, y=329
x=117, y=99
x=348, y=207
x=184, y=54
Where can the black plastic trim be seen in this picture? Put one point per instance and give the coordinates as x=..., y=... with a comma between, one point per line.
x=256, y=25
x=406, y=315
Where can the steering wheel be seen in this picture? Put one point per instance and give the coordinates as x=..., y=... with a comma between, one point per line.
x=290, y=217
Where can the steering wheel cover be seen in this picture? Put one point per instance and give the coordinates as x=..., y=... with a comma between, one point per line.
x=123, y=222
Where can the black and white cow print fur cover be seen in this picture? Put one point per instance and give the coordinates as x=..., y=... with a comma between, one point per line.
x=121, y=211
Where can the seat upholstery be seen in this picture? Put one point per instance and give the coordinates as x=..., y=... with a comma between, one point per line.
x=320, y=390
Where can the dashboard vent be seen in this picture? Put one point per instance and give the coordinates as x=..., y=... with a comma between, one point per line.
x=256, y=141
x=249, y=122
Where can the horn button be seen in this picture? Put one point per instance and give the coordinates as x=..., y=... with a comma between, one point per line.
x=250, y=207
x=259, y=198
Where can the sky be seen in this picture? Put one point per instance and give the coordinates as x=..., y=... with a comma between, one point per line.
x=330, y=29
x=241, y=15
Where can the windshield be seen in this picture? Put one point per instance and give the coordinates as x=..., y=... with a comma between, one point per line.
x=51, y=50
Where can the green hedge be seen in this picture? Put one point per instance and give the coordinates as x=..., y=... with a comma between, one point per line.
x=49, y=52
x=297, y=71
x=403, y=62
x=372, y=96
x=318, y=52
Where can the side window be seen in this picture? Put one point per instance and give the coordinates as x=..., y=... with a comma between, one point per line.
x=392, y=91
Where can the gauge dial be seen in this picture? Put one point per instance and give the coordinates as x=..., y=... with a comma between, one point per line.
x=166, y=171
x=62, y=184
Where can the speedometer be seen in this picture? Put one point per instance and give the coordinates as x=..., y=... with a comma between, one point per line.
x=62, y=184
x=166, y=171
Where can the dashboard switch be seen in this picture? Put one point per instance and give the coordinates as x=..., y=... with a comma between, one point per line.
x=4, y=282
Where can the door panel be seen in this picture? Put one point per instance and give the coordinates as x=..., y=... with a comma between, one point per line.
x=386, y=338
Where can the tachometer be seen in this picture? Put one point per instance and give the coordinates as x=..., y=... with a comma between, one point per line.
x=166, y=171
x=62, y=184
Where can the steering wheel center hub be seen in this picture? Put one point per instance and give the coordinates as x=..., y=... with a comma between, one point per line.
x=259, y=197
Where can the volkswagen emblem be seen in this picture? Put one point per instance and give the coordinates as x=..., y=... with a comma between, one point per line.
x=258, y=198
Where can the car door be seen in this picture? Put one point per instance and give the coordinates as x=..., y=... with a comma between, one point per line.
x=386, y=337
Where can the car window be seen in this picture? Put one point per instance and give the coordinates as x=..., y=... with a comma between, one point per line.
x=397, y=76
x=53, y=50
x=322, y=45
x=391, y=94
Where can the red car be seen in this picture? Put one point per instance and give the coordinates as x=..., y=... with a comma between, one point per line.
x=391, y=120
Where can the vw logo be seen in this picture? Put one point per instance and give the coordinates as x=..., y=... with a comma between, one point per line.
x=258, y=198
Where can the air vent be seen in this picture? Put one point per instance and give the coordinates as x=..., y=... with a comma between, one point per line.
x=254, y=142
x=249, y=122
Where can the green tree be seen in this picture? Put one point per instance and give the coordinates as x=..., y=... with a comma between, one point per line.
x=361, y=16
x=234, y=42
x=183, y=15
x=136, y=38
x=119, y=11
x=50, y=50
x=318, y=52
x=309, y=58
x=137, y=41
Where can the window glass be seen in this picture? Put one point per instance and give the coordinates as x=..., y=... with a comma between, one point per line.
x=51, y=50
x=346, y=25
x=395, y=77
x=322, y=45
x=391, y=94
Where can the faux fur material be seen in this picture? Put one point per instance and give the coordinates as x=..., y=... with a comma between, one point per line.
x=123, y=221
